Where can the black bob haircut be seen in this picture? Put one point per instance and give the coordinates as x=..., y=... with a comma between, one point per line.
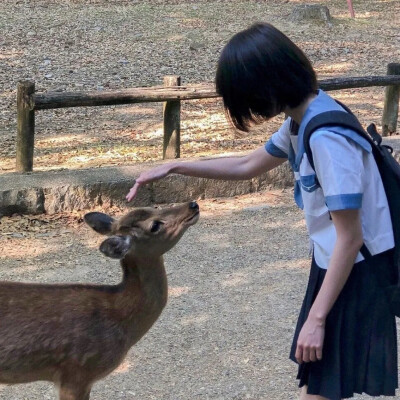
x=261, y=72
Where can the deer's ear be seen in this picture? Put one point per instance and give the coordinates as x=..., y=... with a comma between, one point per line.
x=100, y=222
x=116, y=246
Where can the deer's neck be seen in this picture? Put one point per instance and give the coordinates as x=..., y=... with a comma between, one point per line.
x=144, y=291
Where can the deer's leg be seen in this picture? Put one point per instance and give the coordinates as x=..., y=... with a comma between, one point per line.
x=74, y=392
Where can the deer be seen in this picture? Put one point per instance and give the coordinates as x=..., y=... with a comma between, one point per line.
x=75, y=334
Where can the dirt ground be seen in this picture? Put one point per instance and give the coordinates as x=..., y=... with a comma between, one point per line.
x=236, y=282
x=75, y=45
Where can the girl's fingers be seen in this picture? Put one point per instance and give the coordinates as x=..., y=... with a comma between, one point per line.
x=146, y=177
x=306, y=355
x=299, y=354
x=312, y=355
x=139, y=182
x=132, y=192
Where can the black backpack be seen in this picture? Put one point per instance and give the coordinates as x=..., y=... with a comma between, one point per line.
x=389, y=169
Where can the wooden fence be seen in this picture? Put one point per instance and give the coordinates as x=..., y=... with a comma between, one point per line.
x=172, y=93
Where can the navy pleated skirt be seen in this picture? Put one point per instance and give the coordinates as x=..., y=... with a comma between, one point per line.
x=360, y=344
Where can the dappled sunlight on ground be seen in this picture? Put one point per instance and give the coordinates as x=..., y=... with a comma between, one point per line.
x=195, y=320
x=291, y=264
x=178, y=291
x=342, y=66
x=236, y=280
x=27, y=248
x=123, y=368
x=135, y=110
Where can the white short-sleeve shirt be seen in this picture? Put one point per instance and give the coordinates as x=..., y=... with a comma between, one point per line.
x=348, y=178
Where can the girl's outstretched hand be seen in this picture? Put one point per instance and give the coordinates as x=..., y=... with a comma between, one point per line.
x=147, y=177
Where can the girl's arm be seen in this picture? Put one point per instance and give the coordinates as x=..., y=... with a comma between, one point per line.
x=229, y=168
x=348, y=243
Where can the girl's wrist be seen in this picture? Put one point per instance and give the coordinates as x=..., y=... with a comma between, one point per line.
x=318, y=317
x=172, y=168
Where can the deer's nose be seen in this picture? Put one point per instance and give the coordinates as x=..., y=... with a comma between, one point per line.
x=193, y=205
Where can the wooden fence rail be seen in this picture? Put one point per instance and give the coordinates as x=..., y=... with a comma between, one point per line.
x=171, y=94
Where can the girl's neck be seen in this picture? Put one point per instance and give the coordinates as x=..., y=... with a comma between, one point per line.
x=297, y=113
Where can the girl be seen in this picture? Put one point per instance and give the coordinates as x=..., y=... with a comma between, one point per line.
x=345, y=340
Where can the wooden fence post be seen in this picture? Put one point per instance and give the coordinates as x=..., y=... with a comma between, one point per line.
x=391, y=106
x=172, y=122
x=25, y=127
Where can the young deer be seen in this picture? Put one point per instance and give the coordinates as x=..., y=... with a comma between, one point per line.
x=74, y=335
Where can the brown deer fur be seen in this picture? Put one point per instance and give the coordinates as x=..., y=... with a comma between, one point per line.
x=75, y=334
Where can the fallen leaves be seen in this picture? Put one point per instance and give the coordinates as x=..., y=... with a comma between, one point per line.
x=39, y=226
x=101, y=45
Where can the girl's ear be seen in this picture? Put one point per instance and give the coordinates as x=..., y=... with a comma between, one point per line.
x=101, y=223
x=116, y=246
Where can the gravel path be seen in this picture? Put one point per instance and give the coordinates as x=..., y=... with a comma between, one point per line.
x=236, y=281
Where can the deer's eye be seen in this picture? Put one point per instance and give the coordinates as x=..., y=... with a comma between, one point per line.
x=155, y=226
x=124, y=228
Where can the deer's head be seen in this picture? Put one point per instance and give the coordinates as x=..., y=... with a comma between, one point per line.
x=143, y=231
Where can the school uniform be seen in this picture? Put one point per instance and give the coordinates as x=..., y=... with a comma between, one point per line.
x=360, y=345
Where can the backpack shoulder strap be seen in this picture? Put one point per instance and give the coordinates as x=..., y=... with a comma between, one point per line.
x=376, y=137
x=331, y=118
